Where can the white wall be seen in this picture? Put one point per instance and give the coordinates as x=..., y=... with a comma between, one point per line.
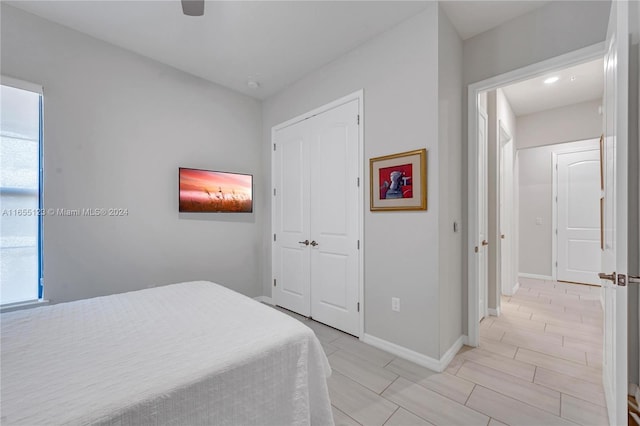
x=536, y=201
x=552, y=30
x=450, y=148
x=116, y=128
x=399, y=74
x=565, y=124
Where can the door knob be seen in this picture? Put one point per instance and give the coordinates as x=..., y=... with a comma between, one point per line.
x=609, y=277
x=502, y=236
x=305, y=242
x=313, y=243
x=485, y=242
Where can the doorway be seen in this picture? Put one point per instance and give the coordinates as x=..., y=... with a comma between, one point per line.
x=500, y=196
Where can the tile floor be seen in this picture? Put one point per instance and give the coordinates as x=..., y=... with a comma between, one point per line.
x=537, y=364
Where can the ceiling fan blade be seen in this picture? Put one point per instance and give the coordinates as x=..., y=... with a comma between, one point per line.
x=193, y=7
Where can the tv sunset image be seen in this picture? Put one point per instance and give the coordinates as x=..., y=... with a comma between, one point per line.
x=204, y=191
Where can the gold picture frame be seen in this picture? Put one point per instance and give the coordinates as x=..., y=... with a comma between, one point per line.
x=399, y=181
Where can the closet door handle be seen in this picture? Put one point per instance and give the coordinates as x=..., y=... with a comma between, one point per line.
x=305, y=242
x=485, y=242
x=313, y=243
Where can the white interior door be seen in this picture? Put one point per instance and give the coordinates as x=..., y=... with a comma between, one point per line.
x=316, y=209
x=291, y=225
x=334, y=218
x=481, y=243
x=506, y=213
x=578, y=239
x=614, y=255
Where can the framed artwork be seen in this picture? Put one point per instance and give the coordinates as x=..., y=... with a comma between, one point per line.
x=399, y=181
x=209, y=191
x=602, y=162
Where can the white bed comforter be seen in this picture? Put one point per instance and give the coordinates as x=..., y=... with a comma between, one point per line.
x=185, y=354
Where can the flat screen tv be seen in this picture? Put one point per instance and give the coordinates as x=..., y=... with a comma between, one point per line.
x=208, y=191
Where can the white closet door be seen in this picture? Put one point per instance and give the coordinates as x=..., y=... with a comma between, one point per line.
x=579, y=216
x=291, y=223
x=334, y=217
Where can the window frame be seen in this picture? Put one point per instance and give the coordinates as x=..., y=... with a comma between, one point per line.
x=35, y=88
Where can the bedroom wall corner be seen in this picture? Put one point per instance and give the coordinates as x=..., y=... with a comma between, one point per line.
x=116, y=128
x=400, y=114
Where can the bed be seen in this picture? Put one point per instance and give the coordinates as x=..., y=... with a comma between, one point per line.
x=193, y=353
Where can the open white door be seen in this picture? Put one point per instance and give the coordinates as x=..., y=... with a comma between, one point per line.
x=481, y=250
x=614, y=254
x=507, y=277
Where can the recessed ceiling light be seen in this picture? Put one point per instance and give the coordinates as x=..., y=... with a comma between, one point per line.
x=573, y=78
x=253, y=84
x=551, y=80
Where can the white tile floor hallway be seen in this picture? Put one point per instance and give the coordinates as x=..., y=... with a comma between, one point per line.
x=539, y=363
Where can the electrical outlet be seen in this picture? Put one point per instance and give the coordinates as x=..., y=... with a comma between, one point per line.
x=395, y=304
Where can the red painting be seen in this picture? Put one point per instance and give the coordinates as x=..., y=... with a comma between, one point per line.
x=396, y=182
x=209, y=191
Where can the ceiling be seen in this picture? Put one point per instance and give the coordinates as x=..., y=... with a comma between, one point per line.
x=273, y=43
x=581, y=83
x=474, y=17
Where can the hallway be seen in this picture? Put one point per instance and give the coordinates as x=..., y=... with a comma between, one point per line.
x=543, y=355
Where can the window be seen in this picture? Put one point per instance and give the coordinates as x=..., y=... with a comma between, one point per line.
x=20, y=191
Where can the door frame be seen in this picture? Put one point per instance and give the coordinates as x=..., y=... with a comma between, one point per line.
x=358, y=96
x=576, y=57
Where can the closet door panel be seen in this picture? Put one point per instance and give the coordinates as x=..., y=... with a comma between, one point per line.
x=334, y=217
x=291, y=262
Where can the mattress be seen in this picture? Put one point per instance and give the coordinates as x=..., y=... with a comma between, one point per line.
x=185, y=354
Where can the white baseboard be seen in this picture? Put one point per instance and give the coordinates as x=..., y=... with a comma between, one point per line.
x=516, y=288
x=451, y=352
x=494, y=312
x=413, y=356
x=535, y=276
x=265, y=299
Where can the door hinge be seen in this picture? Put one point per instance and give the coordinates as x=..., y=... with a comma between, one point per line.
x=358, y=182
x=274, y=192
x=274, y=146
x=274, y=282
x=556, y=264
x=358, y=244
x=358, y=118
x=358, y=306
x=274, y=237
x=556, y=231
